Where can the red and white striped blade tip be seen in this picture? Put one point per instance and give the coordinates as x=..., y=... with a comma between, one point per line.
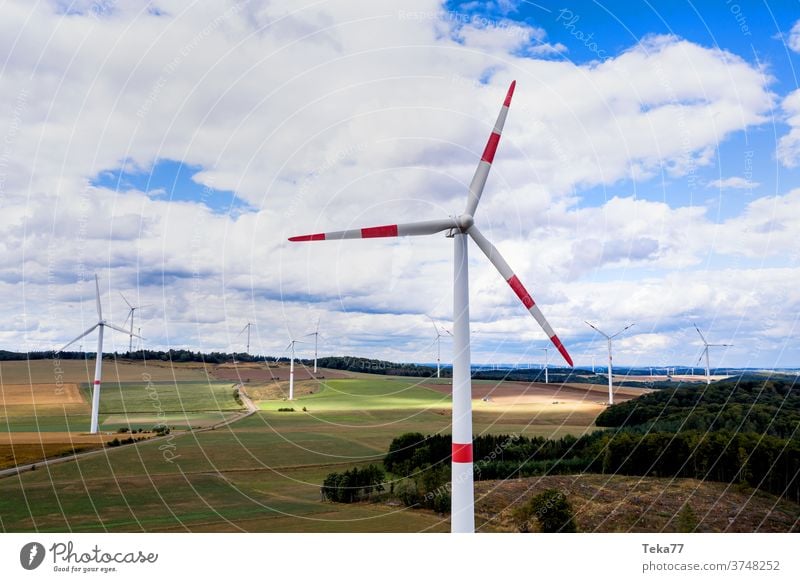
x=561, y=349
x=510, y=94
x=389, y=230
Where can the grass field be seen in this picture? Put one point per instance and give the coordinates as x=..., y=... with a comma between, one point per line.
x=263, y=473
x=41, y=420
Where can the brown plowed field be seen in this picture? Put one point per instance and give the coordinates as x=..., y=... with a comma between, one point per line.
x=39, y=394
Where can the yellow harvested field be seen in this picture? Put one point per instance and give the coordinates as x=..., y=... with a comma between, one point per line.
x=71, y=438
x=39, y=394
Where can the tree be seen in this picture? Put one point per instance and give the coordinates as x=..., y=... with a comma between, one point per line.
x=551, y=510
x=687, y=520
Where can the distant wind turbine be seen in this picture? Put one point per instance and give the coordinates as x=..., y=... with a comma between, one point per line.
x=609, y=338
x=291, y=367
x=439, y=336
x=246, y=327
x=98, y=366
x=546, y=351
x=705, y=353
x=131, y=311
x=316, y=344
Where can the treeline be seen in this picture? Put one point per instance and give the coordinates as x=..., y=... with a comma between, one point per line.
x=748, y=404
x=164, y=356
x=380, y=367
x=763, y=462
x=353, y=485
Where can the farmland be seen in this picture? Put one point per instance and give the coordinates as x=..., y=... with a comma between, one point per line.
x=263, y=472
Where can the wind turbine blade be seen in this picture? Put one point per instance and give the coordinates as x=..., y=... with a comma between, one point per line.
x=125, y=300
x=500, y=264
x=597, y=330
x=127, y=317
x=701, y=334
x=623, y=329
x=125, y=331
x=482, y=171
x=243, y=330
x=703, y=353
x=84, y=334
x=389, y=230
x=97, y=290
x=435, y=329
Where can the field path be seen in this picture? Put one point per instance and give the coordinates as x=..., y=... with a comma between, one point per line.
x=250, y=409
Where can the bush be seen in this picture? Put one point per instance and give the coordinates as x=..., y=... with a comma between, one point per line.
x=550, y=509
x=286, y=410
x=123, y=430
x=687, y=520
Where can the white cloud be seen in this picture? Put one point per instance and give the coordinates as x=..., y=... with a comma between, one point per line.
x=733, y=183
x=788, y=151
x=794, y=37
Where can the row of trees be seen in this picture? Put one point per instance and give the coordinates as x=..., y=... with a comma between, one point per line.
x=353, y=485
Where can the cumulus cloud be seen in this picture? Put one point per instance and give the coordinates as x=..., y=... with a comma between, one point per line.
x=342, y=115
x=733, y=183
x=794, y=37
x=788, y=151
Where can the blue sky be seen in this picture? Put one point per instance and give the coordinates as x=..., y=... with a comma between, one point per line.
x=648, y=172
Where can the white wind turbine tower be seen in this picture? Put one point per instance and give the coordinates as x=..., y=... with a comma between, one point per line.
x=131, y=311
x=705, y=353
x=439, y=336
x=247, y=328
x=546, y=353
x=316, y=344
x=460, y=228
x=98, y=366
x=291, y=366
x=609, y=338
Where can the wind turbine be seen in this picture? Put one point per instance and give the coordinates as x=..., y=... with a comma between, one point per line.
x=98, y=366
x=131, y=311
x=316, y=344
x=609, y=338
x=439, y=336
x=246, y=327
x=291, y=367
x=705, y=352
x=546, y=351
x=460, y=228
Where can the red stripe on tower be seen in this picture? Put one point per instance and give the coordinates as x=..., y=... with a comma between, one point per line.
x=510, y=93
x=305, y=237
x=462, y=453
x=97, y=381
x=521, y=292
x=560, y=347
x=491, y=148
x=379, y=231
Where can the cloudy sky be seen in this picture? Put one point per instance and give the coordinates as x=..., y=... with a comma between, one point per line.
x=649, y=172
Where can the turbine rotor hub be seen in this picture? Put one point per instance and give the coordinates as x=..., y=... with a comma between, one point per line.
x=465, y=221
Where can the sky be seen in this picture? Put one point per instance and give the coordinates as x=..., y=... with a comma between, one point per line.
x=648, y=173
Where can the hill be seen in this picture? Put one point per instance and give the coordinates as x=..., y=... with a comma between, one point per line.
x=616, y=503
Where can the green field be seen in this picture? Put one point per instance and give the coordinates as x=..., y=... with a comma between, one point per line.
x=181, y=404
x=262, y=473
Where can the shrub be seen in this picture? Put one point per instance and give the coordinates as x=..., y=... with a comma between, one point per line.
x=550, y=509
